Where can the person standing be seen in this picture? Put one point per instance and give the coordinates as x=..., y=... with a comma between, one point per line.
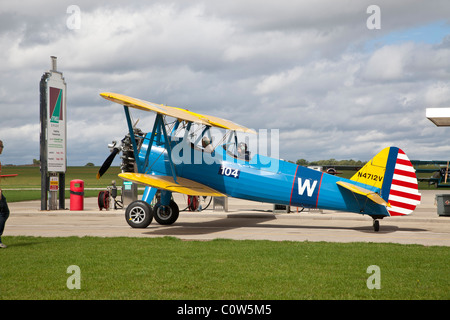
x=4, y=210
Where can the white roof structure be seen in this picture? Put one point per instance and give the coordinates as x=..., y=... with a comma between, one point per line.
x=439, y=116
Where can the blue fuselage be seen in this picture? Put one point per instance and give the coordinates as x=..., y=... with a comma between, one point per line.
x=260, y=178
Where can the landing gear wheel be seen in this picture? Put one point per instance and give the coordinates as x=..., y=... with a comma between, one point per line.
x=166, y=214
x=139, y=214
x=376, y=225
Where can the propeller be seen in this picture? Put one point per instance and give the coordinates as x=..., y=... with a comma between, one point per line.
x=105, y=166
x=116, y=147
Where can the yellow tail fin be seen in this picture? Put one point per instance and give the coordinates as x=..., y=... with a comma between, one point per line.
x=373, y=171
x=392, y=172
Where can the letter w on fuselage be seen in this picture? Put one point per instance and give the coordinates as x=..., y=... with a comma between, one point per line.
x=305, y=189
x=306, y=185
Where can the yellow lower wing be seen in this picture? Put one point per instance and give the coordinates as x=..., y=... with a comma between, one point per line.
x=375, y=197
x=182, y=185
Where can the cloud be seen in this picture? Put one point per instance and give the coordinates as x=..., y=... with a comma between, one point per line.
x=313, y=70
x=276, y=82
x=388, y=62
x=438, y=95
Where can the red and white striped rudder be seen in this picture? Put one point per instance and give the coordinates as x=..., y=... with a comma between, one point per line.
x=404, y=195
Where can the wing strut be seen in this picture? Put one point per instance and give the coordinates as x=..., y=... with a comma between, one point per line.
x=155, y=131
x=168, y=147
x=133, y=139
x=159, y=131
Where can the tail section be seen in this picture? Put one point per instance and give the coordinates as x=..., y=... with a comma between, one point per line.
x=392, y=172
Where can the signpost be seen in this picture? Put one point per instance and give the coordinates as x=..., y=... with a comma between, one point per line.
x=53, y=137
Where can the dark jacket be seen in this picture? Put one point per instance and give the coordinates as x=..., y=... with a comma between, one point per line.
x=3, y=205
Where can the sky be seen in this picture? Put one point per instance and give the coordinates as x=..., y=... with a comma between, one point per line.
x=335, y=79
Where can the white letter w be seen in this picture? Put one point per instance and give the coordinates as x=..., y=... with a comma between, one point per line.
x=307, y=185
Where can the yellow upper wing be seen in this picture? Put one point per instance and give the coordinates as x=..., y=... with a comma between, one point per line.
x=182, y=185
x=149, y=106
x=221, y=123
x=174, y=112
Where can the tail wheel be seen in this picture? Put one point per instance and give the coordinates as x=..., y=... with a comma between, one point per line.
x=139, y=214
x=166, y=215
x=376, y=225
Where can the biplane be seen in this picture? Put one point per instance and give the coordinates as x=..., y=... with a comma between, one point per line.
x=439, y=169
x=167, y=160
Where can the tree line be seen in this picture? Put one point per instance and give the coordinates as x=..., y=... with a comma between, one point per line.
x=331, y=162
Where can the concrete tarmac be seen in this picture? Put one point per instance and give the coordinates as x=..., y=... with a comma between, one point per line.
x=245, y=220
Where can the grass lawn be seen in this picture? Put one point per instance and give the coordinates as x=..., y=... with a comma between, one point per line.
x=168, y=268
x=26, y=186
